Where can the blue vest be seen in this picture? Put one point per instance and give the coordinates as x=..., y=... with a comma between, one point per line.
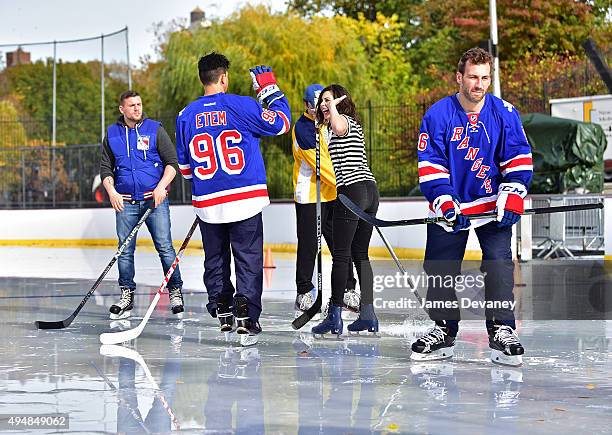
x=138, y=166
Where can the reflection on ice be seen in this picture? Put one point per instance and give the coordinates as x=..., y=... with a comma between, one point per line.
x=185, y=374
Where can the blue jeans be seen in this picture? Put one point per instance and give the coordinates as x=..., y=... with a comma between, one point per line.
x=158, y=224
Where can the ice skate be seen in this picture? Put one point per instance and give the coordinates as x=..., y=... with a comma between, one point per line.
x=331, y=324
x=226, y=317
x=122, y=309
x=435, y=345
x=366, y=323
x=247, y=328
x=304, y=301
x=176, y=301
x=346, y=313
x=506, y=348
x=352, y=300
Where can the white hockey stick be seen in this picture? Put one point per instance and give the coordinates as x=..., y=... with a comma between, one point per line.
x=115, y=351
x=130, y=334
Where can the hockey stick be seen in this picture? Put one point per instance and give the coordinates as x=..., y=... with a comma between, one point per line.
x=130, y=334
x=41, y=324
x=372, y=220
x=314, y=309
x=133, y=412
x=115, y=351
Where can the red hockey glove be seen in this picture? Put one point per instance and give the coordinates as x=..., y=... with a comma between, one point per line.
x=444, y=205
x=264, y=84
x=510, y=203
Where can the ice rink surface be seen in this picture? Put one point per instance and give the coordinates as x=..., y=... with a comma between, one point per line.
x=185, y=375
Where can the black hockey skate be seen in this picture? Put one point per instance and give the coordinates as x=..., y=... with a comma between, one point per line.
x=122, y=309
x=435, y=345
x=226, y=316
x=246, y=327
x=176, y=300
x=506, y=348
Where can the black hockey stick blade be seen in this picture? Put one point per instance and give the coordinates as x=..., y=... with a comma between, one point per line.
x=61, y=324
x=373, y=220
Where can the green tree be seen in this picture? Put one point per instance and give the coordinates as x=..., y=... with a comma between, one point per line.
x=365, y=56
x=355, y=53
x=13, y=133
x=436, y=32
x=78, y=98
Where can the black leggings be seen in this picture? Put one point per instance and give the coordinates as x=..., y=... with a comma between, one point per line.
x=307, y=243
x=352, y=239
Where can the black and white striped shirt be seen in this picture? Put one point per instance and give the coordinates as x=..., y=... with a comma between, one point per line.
x=348, y=155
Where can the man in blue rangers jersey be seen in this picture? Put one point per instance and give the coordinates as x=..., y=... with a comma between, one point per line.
x=473, y=157
x=217, y=140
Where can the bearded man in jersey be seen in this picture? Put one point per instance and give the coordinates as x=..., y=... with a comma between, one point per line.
x=473, y=158
x=217, y=140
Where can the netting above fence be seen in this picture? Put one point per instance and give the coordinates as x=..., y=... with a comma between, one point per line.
x=71, y=78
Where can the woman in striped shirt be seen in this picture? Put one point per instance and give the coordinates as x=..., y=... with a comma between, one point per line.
x=339, y=121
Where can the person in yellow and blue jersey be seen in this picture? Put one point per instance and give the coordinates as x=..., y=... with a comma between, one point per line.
x=305, y=197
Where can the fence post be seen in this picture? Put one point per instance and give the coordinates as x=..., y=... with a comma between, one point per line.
x=53, y=175
x=23, y=188
x=81, y=181
x=545, y=95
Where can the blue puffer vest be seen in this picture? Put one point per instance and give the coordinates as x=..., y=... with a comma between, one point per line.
x=138, y=166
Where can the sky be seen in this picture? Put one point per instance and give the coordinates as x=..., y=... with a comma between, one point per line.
x=27, y=21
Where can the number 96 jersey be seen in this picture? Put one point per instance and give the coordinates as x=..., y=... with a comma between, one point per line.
x=217, y=144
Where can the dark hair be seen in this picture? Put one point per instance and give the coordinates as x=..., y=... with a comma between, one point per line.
x=211, y=66
x=126, y=95
x=344, y=107
x=476, y=56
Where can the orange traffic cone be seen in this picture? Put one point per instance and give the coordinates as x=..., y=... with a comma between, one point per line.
x=268, y=262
